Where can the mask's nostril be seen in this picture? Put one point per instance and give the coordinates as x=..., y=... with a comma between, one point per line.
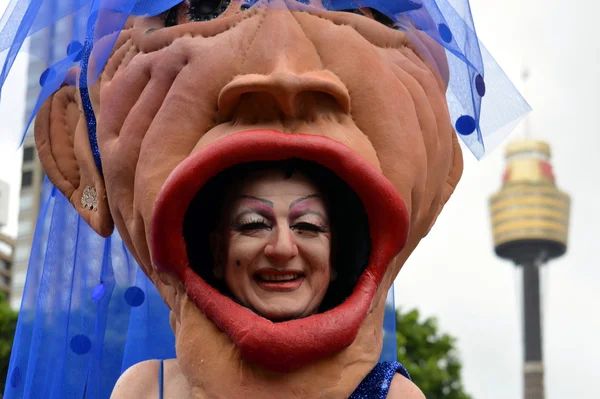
x=292, y=94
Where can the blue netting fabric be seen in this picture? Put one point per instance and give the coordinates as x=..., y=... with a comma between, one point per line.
x=88, y=311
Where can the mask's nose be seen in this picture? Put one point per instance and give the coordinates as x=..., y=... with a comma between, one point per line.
x=293, y=95
x=282, y=69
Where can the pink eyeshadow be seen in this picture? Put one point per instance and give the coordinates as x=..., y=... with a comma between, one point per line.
x=311, y=205
x=255, y=206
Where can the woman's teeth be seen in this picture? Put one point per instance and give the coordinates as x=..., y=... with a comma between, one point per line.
x=282, y=277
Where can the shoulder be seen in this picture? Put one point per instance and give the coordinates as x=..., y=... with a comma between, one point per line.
x=403, y=388
x=140, y=381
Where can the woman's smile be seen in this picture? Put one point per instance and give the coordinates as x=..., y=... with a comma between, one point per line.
x=279, y=280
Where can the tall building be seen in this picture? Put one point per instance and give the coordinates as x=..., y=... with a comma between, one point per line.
x=44, y=44
x=31, y=187
x=7, y=246
x=530, y=222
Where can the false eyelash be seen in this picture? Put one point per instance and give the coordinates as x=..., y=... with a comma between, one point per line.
x=255, y=222
x=310, y=227
x=251, y=226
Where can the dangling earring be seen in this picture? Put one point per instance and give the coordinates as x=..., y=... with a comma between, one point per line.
x=89, y=198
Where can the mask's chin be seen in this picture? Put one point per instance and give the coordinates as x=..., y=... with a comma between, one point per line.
x=279, y=346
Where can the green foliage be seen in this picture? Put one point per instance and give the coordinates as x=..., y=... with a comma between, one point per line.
x=429, y=356
x=8, y=324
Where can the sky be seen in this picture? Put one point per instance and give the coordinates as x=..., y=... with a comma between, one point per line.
x=454, y=275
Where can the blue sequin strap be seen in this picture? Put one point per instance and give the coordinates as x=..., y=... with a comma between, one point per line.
x=376, y=384
x=161, y=374
x=88, y=110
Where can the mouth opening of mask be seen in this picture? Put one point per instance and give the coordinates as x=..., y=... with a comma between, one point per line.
x=347, y=218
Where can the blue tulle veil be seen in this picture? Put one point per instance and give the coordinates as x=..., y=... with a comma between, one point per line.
x=88, y=312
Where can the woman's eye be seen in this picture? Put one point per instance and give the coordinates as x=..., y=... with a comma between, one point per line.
x=353, y=11
x=196, y=10
x=205, y=10
x=381, y=18
x=252, y=226
x=367, y=11
x=305, y=226
x=252, y=223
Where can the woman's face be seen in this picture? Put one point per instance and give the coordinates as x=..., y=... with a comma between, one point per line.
x=276, y=245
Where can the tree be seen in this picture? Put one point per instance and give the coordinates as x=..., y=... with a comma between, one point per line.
x=8, y=325
x=429, y=356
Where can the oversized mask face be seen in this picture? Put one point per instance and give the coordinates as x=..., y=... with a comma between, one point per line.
x=177, y=106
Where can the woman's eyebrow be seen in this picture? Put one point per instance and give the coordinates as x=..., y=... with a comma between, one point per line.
x=297, y=201
x=257, y=199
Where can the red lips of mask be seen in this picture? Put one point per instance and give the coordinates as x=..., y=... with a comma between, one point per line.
x=281, y=346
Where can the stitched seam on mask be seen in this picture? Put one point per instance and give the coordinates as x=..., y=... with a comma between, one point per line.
x=403, y=44
x=310, y=41
x=115, y=49
x=191, y=35
x=429, y=66
x=262, y=20
x=409, y=49
x=423, y=67
x=132, y=47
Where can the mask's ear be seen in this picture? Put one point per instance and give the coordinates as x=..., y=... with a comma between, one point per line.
x=61, y=137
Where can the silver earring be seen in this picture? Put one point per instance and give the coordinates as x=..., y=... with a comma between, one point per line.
x=89, y=199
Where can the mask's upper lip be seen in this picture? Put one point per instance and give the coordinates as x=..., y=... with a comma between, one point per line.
x=286, y=345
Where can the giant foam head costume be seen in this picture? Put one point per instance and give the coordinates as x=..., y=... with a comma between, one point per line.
x=157, y=98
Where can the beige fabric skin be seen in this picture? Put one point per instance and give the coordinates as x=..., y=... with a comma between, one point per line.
x=167, y=94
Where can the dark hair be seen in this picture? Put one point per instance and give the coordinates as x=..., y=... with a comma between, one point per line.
x=350, y=238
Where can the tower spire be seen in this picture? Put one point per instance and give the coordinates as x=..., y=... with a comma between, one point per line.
x=525, y=75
